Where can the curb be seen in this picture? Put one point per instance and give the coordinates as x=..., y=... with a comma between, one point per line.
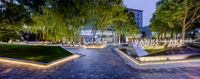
x=39, y=64
x=133, y=60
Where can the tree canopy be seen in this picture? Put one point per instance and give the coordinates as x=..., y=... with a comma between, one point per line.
x=177, y=13
x=12, y=19
x=58, y=20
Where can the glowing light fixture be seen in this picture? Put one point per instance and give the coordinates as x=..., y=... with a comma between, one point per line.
x=39, y=65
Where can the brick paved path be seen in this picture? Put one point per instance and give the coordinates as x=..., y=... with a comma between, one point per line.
x=97, y=64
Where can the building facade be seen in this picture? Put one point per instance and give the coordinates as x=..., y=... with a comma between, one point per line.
x=90, y=35
x=109, y=35
x=138, y=16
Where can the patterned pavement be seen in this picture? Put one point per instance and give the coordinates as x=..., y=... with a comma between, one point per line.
x=97, y=64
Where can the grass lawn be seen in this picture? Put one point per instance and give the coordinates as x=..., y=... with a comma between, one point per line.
x=198, y=40
x=153, y=51
x=197, y=44
x=129, y=52
x=34, y=53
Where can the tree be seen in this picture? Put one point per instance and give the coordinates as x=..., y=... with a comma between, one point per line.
x=193, y=28
x=59, y=20
x=178, y=12
x=105, y=13
x=12, y=19
x=124, y=23
x=161, y=27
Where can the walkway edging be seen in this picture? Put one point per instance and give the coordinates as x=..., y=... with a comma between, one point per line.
x=39, y=64
x=139, y=64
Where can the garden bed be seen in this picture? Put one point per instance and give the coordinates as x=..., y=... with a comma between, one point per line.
x=100, y=46
x=154, y=51
x=44, y=54
x=185, y=53
x=151, y=60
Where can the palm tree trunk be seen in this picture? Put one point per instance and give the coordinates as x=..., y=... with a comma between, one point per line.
x=176, y=35
x=183, y=34
x=119, y=38
x=101, y=36
x=94, y=34
x=73, y=38
x=193, y=35
x=159, y=36
x=172, y=33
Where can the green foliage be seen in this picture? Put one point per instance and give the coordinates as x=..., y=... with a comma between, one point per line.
x=124, y=23
x=61, y=20
x=71, y=15
x=12, y=18
x=175, y=14
x=50, y=25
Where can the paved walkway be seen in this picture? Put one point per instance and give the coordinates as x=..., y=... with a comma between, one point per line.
x=97, y=64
